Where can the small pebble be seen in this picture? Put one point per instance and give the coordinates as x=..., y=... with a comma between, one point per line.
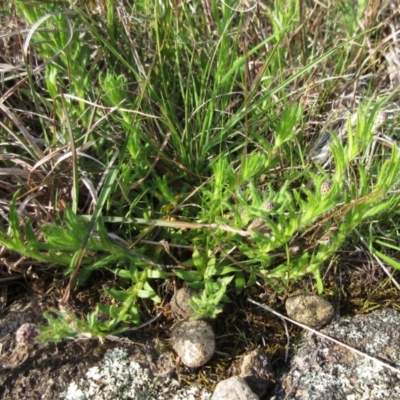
x=180, y=307
x=309, y=309
x=194, y=342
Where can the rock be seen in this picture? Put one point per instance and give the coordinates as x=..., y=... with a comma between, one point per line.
x=256, y=370
x=180, y=307
x=325, y=370
x=234, y=388
x=118, y=377
x=194, y=341
x=38, y=370
x=309, y=309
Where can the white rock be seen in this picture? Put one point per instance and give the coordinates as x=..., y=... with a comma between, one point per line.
x=234, y=388
x=194, y=341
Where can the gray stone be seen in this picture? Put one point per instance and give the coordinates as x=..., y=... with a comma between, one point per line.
x=118, y=377
x=325, y=370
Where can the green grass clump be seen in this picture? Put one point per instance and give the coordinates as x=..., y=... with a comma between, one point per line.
x=153, y=134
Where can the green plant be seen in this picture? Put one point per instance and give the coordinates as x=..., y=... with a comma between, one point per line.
x=154, y=129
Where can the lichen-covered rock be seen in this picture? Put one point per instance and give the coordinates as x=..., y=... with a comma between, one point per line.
x=194, y=342
x=325, y=370
x=118, y=377
x=309, y=309
x=180, y=307
x=234, y=388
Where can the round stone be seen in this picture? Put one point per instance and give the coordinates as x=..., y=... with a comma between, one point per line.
x=194, y=342
x=309, y=309
x=180, y=307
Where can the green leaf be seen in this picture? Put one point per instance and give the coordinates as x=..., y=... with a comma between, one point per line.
x=285, y=129
x=198, y=259
x=30, y=233
x=123, y=273
x=14, y=222
x=371, y=211
x=119, y=295
x=240, y=280
x=157, y=274
x=188, y=276
x=390, y=261
x=225, y=281
x=226, y=269
x=320, y=284
x=148, y=293
x=389, y=245
x=102, y=231
x=104, y=195
x=211, y=268
x=252, y=280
